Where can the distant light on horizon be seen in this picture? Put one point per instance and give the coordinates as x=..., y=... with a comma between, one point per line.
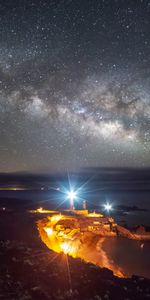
x=108, y=207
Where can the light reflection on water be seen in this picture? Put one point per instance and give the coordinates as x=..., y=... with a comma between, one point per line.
x=129, y=255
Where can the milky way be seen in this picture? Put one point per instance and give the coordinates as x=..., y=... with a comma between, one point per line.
x=74, y=85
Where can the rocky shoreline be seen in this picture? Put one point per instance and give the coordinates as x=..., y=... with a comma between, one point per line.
x=30, y=271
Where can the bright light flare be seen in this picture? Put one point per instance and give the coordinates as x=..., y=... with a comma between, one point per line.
x=108, y=207
x=72, y=195
x=68, y=248
x=65, y=247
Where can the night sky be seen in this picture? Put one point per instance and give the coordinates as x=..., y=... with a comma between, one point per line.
x=74, y=84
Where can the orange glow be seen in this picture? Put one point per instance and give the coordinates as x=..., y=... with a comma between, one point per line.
x=68, y=249
x=55, y=218
x=94, y=214
x=65, y=247
x=43, y=211
x=60, y=235
x=48, y=230
x=40, y=210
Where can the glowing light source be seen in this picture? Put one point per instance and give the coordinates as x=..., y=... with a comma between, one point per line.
x=40, y=210
x=49, y=230
x=65, y=247
x=108, y=207
x=94, y=214
x=72, y=196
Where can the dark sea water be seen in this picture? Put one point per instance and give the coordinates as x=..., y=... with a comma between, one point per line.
x=95, y=200
x=135, y=218
x=129, y=256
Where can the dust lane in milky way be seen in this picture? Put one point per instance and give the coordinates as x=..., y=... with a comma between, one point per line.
x=74, y=85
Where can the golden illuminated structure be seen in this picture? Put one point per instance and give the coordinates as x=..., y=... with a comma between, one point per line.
x=79, y=233
x=72, y=232
x=42, y=211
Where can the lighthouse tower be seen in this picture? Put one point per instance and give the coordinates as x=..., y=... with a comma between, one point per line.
x=84, y=204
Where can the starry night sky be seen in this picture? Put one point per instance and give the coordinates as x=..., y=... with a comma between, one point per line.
x=74, y=84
